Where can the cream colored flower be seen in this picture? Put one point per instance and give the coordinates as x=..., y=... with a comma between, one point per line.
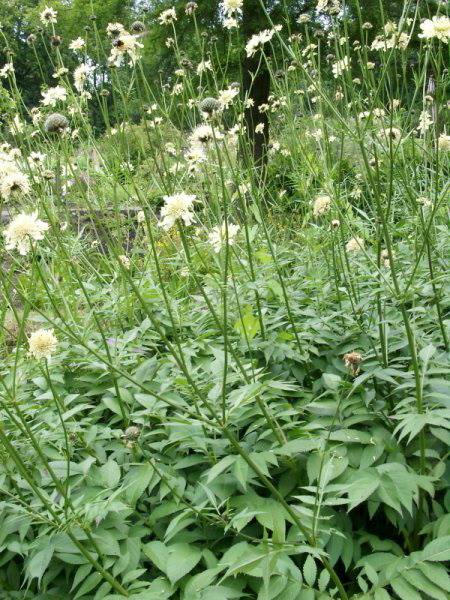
x=80, y=75
x=124, y=261
x=178, y=206
x=444, y=142
x=77, y=44
x=425, y=122
x=354, y=245
x=42, y=343
x=22, y=230
x=218, y=236
x=204, y=65
x=48, y=16
x=227, y=96
x=53, y=95
x=230, y=23
x=6, y=69
x=114, y=29
x=14, y=183
x=322, y=205
x=341, y=66
x=257, y=41
x=124, y=44
x=204, y=134
x=231, y=7
x=437, y=27
x=167, y=16
x=332, y=7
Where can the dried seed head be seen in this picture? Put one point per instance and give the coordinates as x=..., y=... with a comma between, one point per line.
x=131, y=433
x=56, y=123
x=352, y=360
x=138, y=27
x=209, y=106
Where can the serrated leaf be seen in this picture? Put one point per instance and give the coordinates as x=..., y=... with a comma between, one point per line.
x=310, y=570
x=438, y=550
x=404, y=590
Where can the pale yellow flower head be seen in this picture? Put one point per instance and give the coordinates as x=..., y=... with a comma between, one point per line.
x=42, y=343
x=176, y=207
x=437, y=27
x=322, y=205
x=355, y=244
x=22, y=230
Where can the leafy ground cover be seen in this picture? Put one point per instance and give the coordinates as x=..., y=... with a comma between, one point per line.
x=225, y=341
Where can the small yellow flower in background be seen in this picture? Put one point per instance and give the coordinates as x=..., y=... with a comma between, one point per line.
x=48, y=16
x=22, y=230
x=231, y=7
x=259, y=128
x=80, y=75
x=6, y=69
x=77, y=44
x=341, y=66
x=125, y=261
x=391, y=133
x=167, y=16
x=322, y=205
x=331, y=7
x=444, y=142
x=354, y=244
x=114, y=29
x=218, y=236
x=437, y=27
x=425, y=122
x=227, y=96
x=42, y=343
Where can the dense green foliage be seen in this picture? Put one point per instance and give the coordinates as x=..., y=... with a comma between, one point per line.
x=224, y=324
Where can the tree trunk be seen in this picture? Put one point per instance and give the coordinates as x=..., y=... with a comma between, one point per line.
x=257, y=88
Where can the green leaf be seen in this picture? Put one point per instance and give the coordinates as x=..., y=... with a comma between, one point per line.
x=300, y=445
x=437, y=574
x=136, y=481
x=310, y=570
x=324, y=580
x=426, y=353
x=248, y=325
x=89, y=584
x=182, y=559
x=158, y=553
x=39, y=562
x=420, y=582
x=438, y=550
x=220, y=467
x=381, y=594
x=404, y=590
x=331, y=381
